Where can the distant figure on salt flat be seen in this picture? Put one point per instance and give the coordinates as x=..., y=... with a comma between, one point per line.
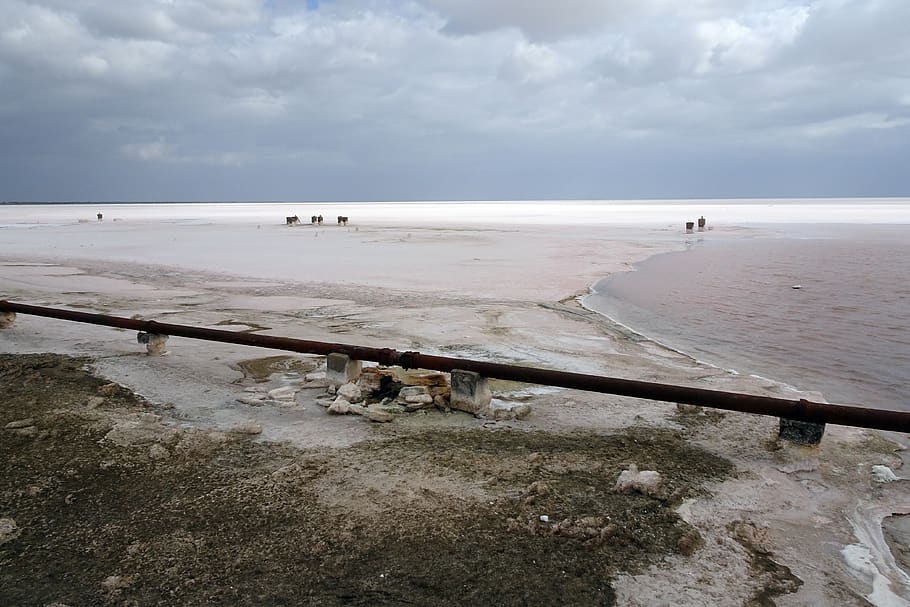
x=100, y=216
x=319, y=219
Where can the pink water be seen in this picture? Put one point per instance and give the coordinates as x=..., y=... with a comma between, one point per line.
x=730, y=302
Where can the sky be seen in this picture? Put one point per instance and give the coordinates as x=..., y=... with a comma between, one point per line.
x=292, y=100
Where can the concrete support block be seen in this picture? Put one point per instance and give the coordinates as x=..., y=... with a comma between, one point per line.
x=155, y=344
x=7, y=319
x=801, y=433
x=341, y=369
x=470, y=392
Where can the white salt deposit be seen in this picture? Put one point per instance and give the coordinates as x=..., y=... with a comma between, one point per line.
x=883, y=474
x=468, y=280
x=860, y=559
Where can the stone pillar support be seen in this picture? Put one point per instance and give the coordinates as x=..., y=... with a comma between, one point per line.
x=341, y=369
x=155, y=344
x=801, y=433
x=470, y=392
x=7, y=319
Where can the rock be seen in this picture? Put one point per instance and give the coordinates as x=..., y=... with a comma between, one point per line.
x=340, y=406
x=587, y=529
x=8, y=530
x=689, y=542
x=408, y=393
x=283, y=393
x=538, y=488
x=141, y=429
x=374, y=415
x=499, y=414
x=249, y=427
x=415, y=397
x=351, y=393
x=331, y=389
x=94, y=402
x=470, y=392
x=116, y=582
x=155, y=344
x=423, y=378
x=370, y=380
x=390, y=407
x=157, y=452
x=420, y=399
x=590, y=521
x=506, y=411
x=316, y=376
x=751, y=536
x=341, y=368
x=441, y=402
x=801, y=433
x=217, y=437
x=646, y=482
x=20, y=423
x=108, y=389
x=521, y=411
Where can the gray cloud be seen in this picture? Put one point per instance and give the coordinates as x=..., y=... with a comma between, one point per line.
x=367, y=99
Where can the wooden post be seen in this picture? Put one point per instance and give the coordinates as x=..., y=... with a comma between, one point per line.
x=801, y=433
x=155, y=344
x=7, y=319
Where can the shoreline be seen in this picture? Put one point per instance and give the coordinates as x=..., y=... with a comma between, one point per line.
x=637, y=334
x=759, y=324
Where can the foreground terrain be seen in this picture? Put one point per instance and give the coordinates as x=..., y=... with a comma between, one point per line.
x=113, y=504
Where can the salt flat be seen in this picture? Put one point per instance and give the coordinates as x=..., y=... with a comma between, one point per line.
x=490, y=289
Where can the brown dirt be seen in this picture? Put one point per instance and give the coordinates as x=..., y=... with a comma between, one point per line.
x=419, y=516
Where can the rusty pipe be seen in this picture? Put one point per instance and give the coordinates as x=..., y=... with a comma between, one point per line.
x=800, y=410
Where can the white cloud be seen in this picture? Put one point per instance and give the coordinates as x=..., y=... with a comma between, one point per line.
x=148, y=151
x=538, y=19
x=533, y=64
x=729, y=45
x=383, y=85
x=846, y=124
x=162, y=152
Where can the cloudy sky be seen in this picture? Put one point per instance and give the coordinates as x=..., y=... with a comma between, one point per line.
x=453, y=99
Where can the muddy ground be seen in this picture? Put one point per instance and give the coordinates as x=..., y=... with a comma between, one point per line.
x=109, y=501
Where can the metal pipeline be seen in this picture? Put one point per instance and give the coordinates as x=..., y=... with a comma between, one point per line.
x=800, y=410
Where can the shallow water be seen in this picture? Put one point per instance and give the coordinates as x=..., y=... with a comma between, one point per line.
x=731, y=302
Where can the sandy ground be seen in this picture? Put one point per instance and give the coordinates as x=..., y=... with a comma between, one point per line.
x=777, y=524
